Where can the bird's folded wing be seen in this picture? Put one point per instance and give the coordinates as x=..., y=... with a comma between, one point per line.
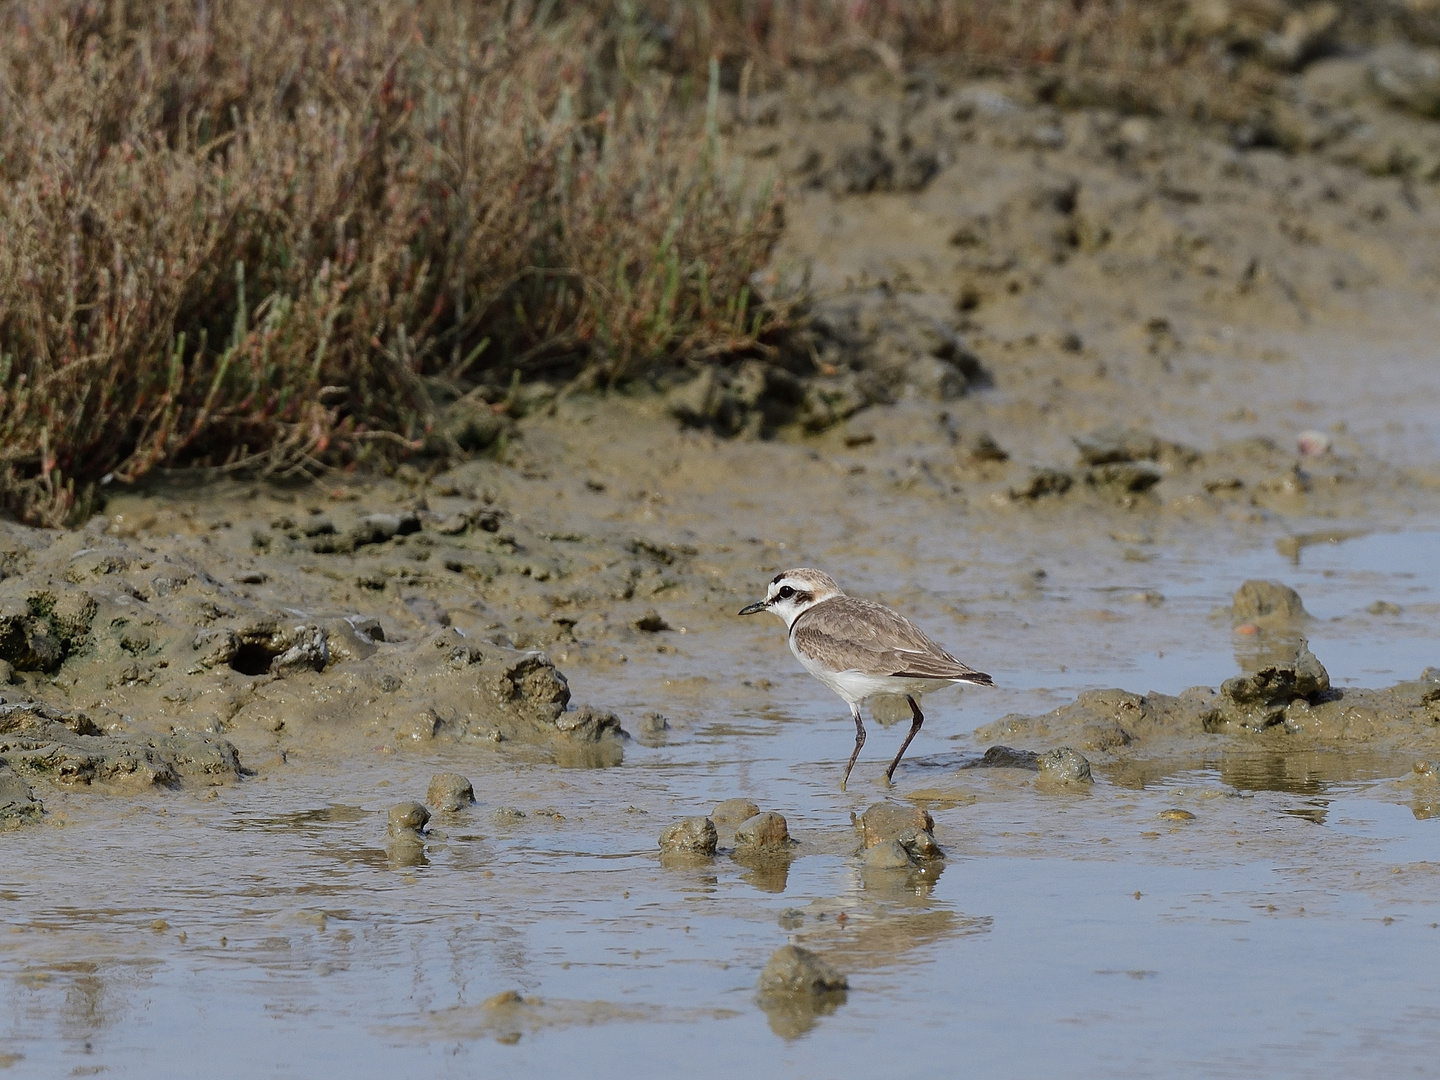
x=845, y=653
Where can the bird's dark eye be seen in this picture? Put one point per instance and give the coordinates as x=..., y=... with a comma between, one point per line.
x=785, y=592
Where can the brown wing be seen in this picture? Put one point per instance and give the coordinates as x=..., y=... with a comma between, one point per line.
x=846, y=633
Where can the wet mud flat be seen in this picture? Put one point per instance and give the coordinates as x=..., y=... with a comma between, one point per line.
x=1192, y=828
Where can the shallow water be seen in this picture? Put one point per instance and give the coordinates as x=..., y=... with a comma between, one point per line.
x=1287, y=930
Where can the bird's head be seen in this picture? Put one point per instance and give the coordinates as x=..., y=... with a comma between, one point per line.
x=793, y=592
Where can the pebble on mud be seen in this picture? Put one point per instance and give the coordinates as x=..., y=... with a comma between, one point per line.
x=449, y=792
x=733, y=811
x=1266, y=603
x=1064, y=766
x=793, y=970
x=1175, y=814
x=765, y=832
x=694, y=836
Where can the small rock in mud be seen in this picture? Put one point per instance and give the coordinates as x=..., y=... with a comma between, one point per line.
x=408, y=818
x=651, y=622
x=1064, y=766
x=694, y=836
x=889, y=821
x=588, y=724
x=887, y=855
x=449, y=792
x=1267, y=603
x=1384, y=607
x=793, y=970
x=733, y=811
x=17, y=801
x=508, y=815
x=1175, y=815
x=765, y=832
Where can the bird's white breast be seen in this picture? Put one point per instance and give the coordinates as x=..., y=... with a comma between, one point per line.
x=854, y=687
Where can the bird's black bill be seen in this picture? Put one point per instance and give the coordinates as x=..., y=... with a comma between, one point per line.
x=759, y=605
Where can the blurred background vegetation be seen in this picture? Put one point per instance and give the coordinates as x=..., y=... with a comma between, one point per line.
x=276, y=237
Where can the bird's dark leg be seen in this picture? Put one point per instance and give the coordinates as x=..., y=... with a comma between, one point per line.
x=859, y=742
x=914, y=728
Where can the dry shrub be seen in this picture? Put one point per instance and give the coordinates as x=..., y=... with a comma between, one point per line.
x=269, y=235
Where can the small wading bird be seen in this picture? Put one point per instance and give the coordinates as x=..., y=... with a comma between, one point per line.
x=860, y=649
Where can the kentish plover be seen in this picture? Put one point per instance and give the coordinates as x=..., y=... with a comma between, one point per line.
x=860, y=649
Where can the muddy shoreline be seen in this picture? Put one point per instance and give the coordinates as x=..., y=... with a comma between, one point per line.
x=1074, y=380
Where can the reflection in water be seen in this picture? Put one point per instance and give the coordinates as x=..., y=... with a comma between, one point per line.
x=405, y=851
x=298, y=819
x=1268, y=648
x=792, y=1015
x=1297, y=772
x=1314, y=812
x=768, y=872
x=912, y=883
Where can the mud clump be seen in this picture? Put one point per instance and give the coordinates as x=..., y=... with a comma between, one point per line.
x=764, y=834
x=449, y=792
x=1042, y=483
x=66, y=747
x=1260, y=700
x=1267, y=604
x=896, y=836
x=1063, y=767
x=1290, y=700
x=887, y=821
x=405, y=834
x=793, y=970
x=692, y=836
x=18, y=803
x=887, y=855
x=41, y=626
x=407, y=819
